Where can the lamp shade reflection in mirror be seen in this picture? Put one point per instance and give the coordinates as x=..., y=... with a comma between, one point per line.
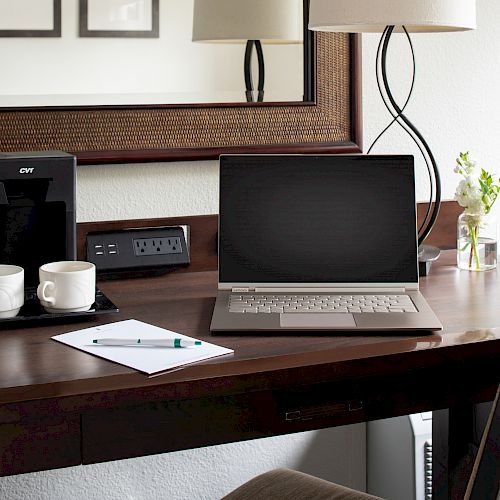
x=254, y=23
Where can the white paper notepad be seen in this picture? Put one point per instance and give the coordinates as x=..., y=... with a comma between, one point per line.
x=146, y=359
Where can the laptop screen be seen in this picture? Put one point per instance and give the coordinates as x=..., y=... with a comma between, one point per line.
x=317, y=219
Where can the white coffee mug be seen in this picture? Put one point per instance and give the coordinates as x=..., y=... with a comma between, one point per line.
x=67, y=286
x=11, y=290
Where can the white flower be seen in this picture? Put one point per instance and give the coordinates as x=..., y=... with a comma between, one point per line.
x=465, y=192
x=475, y=206
x=464, y=166
x=469, y=196
x=469, y=167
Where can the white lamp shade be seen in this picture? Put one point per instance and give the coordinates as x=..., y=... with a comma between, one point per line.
x=372, y=16
x=236, y=21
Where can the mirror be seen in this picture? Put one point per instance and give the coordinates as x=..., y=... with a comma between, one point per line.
x=97, y=67
x=326, y=120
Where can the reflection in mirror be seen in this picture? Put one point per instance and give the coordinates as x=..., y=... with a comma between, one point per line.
x=171, y=69
x=254, y=23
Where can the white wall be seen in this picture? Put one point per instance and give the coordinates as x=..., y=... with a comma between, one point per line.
x=456, y=106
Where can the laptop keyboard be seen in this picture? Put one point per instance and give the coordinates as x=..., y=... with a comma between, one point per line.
x=320, y=304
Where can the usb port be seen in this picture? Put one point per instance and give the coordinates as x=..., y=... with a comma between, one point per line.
x=112, y=252
x=97, y=247
x=99, y=253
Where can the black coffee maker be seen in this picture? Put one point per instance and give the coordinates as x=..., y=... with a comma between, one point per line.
x=37, y=210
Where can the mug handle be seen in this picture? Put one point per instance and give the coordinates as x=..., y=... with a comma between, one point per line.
x=40, y=291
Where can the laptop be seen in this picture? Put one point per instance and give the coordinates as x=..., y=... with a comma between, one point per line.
x=318, y=243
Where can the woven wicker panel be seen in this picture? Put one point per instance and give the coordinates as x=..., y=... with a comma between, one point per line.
x=104, y=130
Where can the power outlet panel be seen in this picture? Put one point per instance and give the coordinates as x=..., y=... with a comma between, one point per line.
x=149, y=249
x=157, y=246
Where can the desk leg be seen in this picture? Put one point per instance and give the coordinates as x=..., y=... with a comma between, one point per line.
x=456, y=434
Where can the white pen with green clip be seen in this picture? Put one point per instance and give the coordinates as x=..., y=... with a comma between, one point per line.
x=175, y=343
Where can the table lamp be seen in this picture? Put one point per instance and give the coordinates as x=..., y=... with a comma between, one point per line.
x=404, y=16
x=254, y=22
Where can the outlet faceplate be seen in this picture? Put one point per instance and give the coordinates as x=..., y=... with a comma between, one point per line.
x=156, y=249
x=157, y=246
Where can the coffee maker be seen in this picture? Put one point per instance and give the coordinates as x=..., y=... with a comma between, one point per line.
x=37, y=210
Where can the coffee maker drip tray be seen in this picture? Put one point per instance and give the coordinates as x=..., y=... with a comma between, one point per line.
x=32, y=313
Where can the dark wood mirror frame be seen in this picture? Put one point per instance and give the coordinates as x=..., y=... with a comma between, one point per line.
x=329, y=123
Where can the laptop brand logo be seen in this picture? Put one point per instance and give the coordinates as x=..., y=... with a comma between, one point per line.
x=26, y=170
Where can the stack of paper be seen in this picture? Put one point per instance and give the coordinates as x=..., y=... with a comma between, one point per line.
x=145, y=358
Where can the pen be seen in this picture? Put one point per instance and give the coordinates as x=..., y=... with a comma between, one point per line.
x=173, y=342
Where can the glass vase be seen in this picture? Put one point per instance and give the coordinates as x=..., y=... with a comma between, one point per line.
x=476, y=242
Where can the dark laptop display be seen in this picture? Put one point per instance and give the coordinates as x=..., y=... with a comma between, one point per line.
x=317, y=219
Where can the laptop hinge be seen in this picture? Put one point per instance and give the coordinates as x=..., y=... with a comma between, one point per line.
x=324, y=289
x=331, y=290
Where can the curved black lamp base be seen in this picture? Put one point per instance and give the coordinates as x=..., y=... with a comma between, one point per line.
x=426, y=256
x=426, y=253
x=250, y=92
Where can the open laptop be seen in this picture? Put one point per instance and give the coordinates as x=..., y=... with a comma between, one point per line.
x=318, y=243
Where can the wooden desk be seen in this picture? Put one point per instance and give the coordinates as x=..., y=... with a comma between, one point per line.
x=61, y=407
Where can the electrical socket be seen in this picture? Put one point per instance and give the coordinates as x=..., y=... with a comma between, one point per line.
x=156, y=249
x=157, y=246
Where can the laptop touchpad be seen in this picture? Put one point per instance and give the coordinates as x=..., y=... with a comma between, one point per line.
x=317, y=320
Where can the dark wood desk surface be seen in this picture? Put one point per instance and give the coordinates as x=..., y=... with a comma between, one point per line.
x=59, y=406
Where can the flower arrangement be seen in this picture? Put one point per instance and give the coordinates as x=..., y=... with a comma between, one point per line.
x=476, y=194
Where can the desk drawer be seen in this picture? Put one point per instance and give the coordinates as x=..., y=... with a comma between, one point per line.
x=160, y=427
x=30, y=446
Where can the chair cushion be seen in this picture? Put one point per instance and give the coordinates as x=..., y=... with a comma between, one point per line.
x=286, y=484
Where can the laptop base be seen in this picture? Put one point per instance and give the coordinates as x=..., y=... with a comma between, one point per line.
x=379, y=323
